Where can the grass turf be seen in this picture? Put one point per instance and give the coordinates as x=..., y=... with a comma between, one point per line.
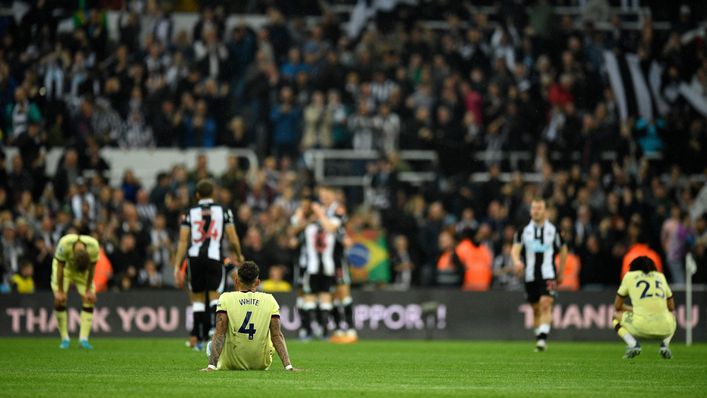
x=164, y=367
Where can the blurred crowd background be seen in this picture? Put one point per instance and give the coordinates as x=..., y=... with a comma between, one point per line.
x=458, y=78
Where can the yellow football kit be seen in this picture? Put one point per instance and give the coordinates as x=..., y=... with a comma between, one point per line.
x=650, y=317
x=65, y=253
x=248, y=345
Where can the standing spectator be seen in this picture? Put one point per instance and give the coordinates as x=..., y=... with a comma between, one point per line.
x=146, y=211
x=160, y=248
x=363, y=129
x=68, y=171
x=317, y=124
x=19, y=114
x=200, y=129
x=286, y=125
x=126, y=260
x=449, y=268
x=130, y=185
x=11, y=249
x=83, y=197
x=19, y=178
x=388, y=123
x=210, y=54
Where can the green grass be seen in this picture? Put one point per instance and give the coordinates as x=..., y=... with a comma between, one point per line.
x=164, y=367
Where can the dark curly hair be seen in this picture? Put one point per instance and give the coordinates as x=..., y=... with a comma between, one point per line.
x=643, y=263
x=248, y=272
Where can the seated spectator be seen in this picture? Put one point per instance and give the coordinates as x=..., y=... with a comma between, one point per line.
x=276, y=282
x=402, y=263
x=149, y=277
x=22, y=282
x=504, y=272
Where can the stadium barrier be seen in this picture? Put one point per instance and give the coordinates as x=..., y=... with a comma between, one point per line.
x=419, y=314
x=147, y=163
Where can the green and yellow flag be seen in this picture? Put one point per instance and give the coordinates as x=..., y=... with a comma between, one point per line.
x=369, y=258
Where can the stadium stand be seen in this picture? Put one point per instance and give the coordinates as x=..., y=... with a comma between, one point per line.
x=435, y=117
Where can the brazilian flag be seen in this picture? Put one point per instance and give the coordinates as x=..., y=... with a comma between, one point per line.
x=368, y=257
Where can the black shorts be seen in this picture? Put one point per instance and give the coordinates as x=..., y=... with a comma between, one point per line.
x=536, y=289
x=205, y=275
x=318, y=283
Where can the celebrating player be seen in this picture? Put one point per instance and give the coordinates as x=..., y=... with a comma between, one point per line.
x=74, y=262
x=247, y=327
x=203, y=229
x=318, y=231
x=343, y=303
x=541, y=240
x=650, y=315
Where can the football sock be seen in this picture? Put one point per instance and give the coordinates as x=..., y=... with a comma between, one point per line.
x=624, y=334
x=666, y=341
x=200, y=318
x=336, y=314
x=86, y=322
x=347, y=302
x=61, y=322
x=307, y=316
x=323, y=317
x=542, y=331
x=212, y=315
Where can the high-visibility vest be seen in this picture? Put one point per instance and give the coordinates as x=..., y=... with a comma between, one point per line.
x=570, y=276
x=638, y=250
x=478, y=264
x=103, y=272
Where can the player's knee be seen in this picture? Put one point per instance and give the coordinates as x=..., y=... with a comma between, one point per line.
x=545, y=304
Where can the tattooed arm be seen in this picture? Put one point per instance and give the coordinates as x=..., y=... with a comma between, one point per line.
x=218, y=340
x=278, y=341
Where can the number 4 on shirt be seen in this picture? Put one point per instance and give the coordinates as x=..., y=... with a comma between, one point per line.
x=247, y=328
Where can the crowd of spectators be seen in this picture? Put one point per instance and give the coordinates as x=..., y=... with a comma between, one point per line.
x=533, y=81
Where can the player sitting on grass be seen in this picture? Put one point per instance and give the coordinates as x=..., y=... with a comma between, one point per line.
x=650, y=315
x=247, y=327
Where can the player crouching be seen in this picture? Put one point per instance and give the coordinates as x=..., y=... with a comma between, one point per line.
x=650, y=315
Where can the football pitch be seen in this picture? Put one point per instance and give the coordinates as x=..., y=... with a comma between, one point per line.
x=165, y=368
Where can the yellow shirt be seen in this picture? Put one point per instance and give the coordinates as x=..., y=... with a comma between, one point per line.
x=65, y=249
x=248, y=344
x=272, y=286
x=648, y=293
x=24, y=285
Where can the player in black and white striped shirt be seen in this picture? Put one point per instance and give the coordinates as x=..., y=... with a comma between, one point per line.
x=540, y=240
x=203, y=229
